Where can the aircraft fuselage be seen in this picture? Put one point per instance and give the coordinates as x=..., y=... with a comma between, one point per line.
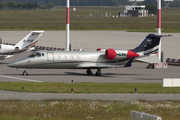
x=69, y=60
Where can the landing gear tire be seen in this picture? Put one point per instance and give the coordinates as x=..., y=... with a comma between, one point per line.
x=25, y=73
x=98, y=73
x=150, y=66
x=89, y=72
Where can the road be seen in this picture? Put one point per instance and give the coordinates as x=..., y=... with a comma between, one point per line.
x=7, y=95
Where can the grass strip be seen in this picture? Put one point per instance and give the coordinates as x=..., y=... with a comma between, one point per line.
x=85, y=109
x=80, y=20
x=86, y=87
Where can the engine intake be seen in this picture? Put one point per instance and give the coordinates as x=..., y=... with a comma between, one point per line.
x=110, y=54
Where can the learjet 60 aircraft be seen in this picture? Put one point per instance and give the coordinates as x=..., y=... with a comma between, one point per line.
x=100, y=59
x=26, y=44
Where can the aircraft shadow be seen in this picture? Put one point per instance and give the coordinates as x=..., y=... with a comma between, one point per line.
x=119, y=74
x=94, y=75
x=34, y=74
x=3, y=63
x=72, y=74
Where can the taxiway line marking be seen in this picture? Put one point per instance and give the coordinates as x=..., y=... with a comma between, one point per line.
x=20, y=78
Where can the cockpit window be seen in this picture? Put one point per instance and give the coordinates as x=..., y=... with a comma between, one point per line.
x=0, y=46
x=35, y=54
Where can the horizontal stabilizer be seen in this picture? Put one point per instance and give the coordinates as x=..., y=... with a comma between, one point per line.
x=153, y=58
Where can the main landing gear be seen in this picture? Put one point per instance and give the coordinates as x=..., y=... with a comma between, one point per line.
x=89, y=72
x=25, y=73
x=98, y=73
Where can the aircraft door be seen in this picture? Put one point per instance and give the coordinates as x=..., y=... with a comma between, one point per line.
x=50, y=57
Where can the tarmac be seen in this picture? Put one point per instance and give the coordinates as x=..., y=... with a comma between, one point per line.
x=91, y=40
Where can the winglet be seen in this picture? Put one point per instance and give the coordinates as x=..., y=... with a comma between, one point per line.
x=128, y=64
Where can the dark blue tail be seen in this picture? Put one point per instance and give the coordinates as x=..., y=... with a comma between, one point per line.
x=150, y=44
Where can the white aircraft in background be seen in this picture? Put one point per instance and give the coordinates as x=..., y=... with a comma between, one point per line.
x=26, y=44
x=100, y=59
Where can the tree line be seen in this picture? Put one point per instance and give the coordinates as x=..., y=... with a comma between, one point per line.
x=24, y=6
x=49, y=3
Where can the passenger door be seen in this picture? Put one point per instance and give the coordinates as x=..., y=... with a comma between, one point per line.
x=50, y=57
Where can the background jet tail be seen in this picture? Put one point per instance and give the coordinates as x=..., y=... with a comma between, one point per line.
x=30, y=40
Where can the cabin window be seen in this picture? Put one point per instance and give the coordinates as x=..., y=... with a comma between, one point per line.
x=35, y=55
x=78, y=57
x=42, y=54
x=65, y=57
x=59, y=57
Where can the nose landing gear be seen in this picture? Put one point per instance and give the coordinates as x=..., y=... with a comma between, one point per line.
x=25, y=73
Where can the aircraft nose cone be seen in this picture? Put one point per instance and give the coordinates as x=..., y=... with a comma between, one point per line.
x=12, y=64
x=16, y=64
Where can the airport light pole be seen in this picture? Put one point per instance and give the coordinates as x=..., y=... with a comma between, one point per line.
x=159, y=17
x=159, y=25
x=67, y=25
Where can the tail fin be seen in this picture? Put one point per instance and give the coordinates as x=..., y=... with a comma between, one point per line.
x=30, y=40
x=150, y=44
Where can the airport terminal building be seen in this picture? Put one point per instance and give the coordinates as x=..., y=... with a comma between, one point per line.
x=134, y=11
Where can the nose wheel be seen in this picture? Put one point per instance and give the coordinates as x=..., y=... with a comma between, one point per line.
x=25, y=73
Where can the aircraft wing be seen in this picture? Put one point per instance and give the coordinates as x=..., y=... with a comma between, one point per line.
x=2, y=57
x=5, y=56
x=8, y=56
x=94, y=66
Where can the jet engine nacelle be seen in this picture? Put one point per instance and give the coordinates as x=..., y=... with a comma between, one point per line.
x=112, y=54
x=6, y=48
